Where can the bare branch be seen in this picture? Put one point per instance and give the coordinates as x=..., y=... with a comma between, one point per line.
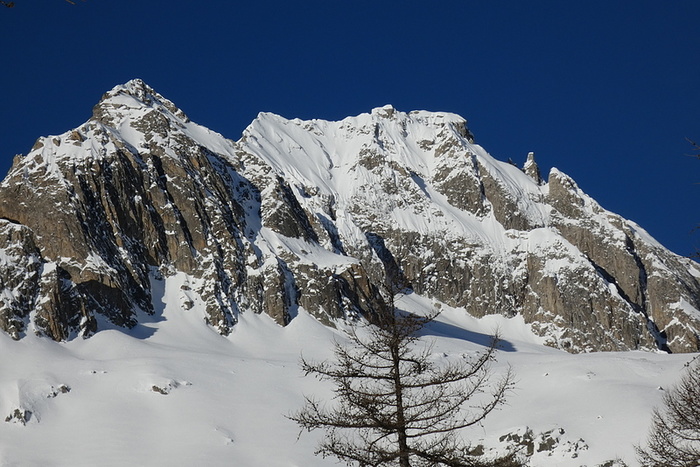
x=674, y=438
x=393, y=403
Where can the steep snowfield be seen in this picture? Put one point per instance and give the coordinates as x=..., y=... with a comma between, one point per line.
x=174, y=392
x=328, y=156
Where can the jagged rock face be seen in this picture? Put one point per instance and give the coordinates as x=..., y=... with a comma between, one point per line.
x=20, y=266
x=129, y=196
x=320, y=216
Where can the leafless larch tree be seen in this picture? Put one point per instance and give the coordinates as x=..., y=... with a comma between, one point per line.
x=395, y=405
x=674, y=438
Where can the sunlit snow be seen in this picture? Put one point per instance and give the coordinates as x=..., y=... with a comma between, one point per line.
x=174, y=392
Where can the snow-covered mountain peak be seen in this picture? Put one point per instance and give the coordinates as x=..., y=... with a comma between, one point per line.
x=316, y=215
x=395, y=163
x=110, y=128
x=131, y=99
x=136, y=88
x=132, y=118
x=140, y=238
x=138, y=113
x=384, y=111
x=414, y=140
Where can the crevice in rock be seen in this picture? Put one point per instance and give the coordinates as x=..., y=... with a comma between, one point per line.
x=395, y=278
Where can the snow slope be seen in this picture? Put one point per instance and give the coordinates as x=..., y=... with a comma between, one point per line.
x=175, y=392
x=329, y=156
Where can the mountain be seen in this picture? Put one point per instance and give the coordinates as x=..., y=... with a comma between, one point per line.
x=158, y=283
x=319, y=216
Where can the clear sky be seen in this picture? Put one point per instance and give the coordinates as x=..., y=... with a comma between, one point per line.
x=606, y=91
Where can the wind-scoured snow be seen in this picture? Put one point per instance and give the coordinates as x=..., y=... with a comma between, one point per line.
x=328, y=156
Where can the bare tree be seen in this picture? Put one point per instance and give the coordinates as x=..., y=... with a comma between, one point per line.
x=674, y=438
x=395, y=405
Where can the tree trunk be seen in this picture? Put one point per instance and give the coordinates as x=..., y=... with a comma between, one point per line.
x=404, y=460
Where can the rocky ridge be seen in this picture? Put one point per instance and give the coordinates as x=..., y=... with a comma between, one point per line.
x=317, y=215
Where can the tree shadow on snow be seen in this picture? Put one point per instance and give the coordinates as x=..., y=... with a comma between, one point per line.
x=438, y=328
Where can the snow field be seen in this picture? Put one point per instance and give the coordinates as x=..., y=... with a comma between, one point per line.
x=183, y=395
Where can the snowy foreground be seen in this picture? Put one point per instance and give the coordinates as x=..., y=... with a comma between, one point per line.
x=174, y=392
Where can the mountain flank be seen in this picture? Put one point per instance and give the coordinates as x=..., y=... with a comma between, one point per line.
x=319, y=216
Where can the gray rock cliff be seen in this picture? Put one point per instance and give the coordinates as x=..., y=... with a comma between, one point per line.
x=318, y=216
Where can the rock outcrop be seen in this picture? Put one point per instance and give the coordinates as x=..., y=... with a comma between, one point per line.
x=320, y=216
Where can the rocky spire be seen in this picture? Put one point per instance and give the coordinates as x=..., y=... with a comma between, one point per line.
x=532, y=169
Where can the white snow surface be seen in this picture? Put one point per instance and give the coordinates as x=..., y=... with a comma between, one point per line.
x=327, y=156
x=174, y=392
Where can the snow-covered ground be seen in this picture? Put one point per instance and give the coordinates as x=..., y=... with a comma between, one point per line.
x=174, y=392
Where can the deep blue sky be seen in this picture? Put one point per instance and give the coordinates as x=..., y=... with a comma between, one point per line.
x=606, y=91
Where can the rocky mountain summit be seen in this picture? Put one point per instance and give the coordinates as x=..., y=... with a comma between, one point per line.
x=319, y=215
